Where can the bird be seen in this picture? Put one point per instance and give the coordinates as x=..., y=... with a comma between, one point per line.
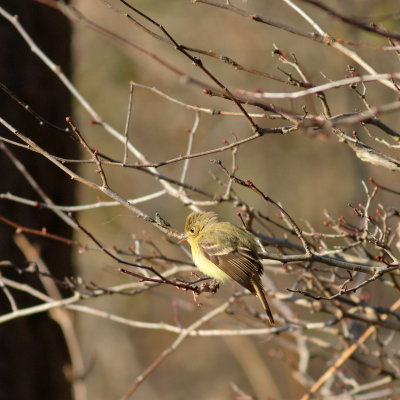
x=223, y=251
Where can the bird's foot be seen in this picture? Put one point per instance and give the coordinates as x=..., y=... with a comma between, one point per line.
x=210, y=286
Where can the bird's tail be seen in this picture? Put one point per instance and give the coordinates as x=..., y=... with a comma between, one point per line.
x=258, y=288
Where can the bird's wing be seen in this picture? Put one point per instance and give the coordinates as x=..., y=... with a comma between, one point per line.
x=240, y=263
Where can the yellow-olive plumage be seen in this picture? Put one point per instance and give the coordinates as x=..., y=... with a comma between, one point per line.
x=223, y=251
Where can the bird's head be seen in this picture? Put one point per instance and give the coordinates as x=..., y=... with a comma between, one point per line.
x=196, y=222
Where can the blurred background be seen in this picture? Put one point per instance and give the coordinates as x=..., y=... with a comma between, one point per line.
x=306, y=172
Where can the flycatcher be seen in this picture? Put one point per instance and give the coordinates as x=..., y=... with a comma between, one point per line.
x=223, y=251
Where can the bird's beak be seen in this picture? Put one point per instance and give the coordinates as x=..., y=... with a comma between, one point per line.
x=183, y=240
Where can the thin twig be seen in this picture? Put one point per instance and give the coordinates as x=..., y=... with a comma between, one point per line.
x=189, y=146
x=127, y=122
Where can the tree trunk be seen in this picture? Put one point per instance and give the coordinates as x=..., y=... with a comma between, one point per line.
x=33, y=351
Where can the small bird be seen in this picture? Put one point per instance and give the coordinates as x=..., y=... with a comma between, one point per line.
x=223, y=251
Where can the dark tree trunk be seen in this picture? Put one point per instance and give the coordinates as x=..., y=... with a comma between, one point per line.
x=32, y=350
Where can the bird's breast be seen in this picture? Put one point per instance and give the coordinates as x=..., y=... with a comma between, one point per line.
x=207, y=267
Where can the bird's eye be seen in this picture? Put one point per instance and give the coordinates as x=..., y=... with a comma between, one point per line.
x=191, y=230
